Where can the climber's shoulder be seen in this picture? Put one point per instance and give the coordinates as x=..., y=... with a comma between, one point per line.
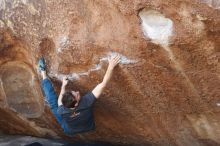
x=63, y=110
x=87, y=100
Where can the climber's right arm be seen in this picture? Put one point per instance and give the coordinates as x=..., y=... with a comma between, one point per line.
x=63, y=89
x=100, y=87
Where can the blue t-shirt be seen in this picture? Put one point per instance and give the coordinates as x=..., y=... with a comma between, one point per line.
x=81, y=118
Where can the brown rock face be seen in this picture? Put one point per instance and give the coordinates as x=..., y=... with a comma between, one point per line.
x=166, y=90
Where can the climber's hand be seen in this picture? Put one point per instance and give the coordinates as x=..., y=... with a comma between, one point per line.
x=65, y=81
x=114, y=61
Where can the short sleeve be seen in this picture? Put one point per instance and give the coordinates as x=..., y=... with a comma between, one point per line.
x=87, y=100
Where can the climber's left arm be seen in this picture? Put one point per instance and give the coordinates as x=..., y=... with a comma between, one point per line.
x=63, y=89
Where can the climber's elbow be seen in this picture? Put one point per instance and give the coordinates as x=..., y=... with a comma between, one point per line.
x=97, y=91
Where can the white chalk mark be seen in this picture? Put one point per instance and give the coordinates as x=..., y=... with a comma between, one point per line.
x=159, y=29
x=212, y=3
x=2, y=5
x=76, y=76
x=124, y=59
x=24, y=1
x=73, y=76
x=97, y=67
x=63, y=43
x=156, y=27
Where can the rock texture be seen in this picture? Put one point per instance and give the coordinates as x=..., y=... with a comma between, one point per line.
x=161, y=93
x=18, y=140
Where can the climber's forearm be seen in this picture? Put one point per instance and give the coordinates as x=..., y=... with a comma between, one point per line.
x=97, y=91
x=63, y=89
x=100, y=87
x=107, y=76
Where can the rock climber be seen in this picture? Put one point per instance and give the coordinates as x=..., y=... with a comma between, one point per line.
x=74, y=112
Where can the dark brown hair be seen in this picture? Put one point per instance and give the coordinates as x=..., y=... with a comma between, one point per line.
x=69, y=100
